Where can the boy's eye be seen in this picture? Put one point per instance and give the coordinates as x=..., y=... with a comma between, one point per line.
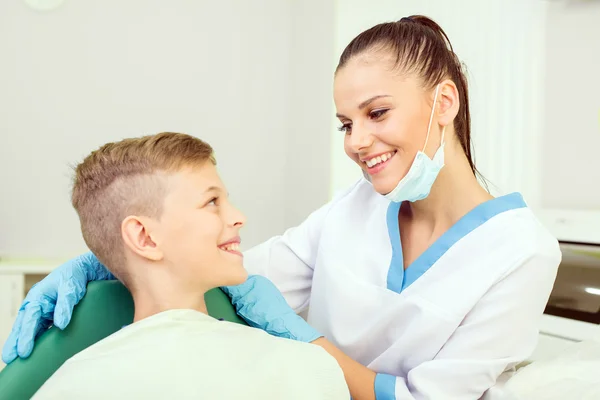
x=212, y=202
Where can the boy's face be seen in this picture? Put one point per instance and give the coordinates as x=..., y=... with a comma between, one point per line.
x=198, y=232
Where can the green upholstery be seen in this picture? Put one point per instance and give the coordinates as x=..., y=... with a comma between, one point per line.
x=106, y=307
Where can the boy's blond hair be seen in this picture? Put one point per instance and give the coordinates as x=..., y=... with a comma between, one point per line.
x=128, y=178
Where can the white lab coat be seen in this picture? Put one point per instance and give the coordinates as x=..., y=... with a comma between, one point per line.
x=446, y=327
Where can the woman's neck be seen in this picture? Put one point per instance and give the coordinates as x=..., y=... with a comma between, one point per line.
x=455, y=192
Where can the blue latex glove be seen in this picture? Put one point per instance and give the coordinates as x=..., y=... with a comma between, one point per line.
x=262, y=306
x=51, y=301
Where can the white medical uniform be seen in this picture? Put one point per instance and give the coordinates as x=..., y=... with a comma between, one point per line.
x=185, y=354
x=444, y=328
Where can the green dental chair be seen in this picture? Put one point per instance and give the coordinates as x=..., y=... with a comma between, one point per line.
x=106, y=308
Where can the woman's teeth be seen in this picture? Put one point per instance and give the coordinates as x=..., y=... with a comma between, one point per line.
x=230, y=247
x=379, y=159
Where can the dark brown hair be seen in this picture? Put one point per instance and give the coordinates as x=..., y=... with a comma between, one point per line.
x=421, y=47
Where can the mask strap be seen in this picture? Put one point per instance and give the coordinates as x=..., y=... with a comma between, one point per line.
x=431, y=118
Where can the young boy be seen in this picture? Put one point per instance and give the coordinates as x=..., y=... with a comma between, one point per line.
x=155, y=212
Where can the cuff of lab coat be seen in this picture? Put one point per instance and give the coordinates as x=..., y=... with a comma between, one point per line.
x=385, y=387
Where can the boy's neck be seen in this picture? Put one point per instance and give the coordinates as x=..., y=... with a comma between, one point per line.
x=156, y=288
x=147, y=304
x=160, y=291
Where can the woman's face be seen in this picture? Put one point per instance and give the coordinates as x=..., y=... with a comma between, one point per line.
x=384, y=115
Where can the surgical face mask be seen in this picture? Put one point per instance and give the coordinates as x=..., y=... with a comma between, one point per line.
x=417, y=183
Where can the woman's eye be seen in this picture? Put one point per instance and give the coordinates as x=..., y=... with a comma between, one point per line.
x=376, y=114
x=346, y=128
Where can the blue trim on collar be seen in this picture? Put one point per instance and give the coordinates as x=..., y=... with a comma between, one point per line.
x=399, y=279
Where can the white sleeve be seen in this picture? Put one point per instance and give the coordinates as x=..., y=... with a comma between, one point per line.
x=289, y=260
x=498, y=333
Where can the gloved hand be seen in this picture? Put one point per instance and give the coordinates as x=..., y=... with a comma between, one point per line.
x=52, y=301
x=262, y=306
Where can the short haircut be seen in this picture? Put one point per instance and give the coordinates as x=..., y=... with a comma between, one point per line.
x=129, y=178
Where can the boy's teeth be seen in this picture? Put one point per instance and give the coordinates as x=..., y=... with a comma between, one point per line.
x=231, y=247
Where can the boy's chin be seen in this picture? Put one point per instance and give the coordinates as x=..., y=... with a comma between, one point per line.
x=236, y=278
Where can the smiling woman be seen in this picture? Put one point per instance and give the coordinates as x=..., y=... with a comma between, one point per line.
x=423, y=51
x=418, y=179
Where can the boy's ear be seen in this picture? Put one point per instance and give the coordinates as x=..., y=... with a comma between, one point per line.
x=136, y=236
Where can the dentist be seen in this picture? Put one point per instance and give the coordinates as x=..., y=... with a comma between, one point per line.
x=420, y=283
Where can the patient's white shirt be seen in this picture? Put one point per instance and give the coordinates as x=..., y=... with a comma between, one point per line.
x=185, y=354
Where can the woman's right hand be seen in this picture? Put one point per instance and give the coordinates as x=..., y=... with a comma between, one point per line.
x=51, y=301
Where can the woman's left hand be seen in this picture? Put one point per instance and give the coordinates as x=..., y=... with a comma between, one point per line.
x=261, y=305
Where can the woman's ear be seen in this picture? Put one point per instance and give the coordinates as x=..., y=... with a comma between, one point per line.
x=448, y=103
x=137, y=236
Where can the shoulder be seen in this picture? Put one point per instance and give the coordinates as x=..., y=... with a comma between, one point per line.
x=507, y=237
x=99, y=349
x=306, y=356
x=66, y=382
x=359, y=191
x=359, y=196
x=356, y=201
x=530, y=240
x=145, y=332
x=514, y=246
x=279, y=350
x=276, y=345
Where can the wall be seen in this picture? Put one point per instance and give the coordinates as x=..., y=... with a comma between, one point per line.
x=502, y=43
x=311, y=108
x=225, y=71
x=572, y=107
x=570, y=169
x=253, y=79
